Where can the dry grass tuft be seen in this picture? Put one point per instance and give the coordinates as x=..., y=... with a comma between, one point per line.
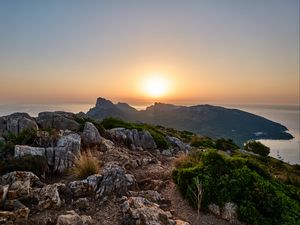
x=85, y=165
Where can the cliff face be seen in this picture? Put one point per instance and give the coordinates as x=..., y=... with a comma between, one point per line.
x=208, y=120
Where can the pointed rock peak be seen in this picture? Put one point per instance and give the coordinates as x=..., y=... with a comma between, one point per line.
x=103, y=103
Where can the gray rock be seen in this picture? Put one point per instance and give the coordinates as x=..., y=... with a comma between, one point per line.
x=106, y=145
x=71, y=218
x=178, y=145
x=57, y=120
x=90, y=134
x=48, y=196
x=22, y=150
x=214, y=209
x=137, y=138
x=140, y=211
x=84, y=187
x=114, y=181
x=230, y=212
x=16, y=123
x=66, y=151
x=20, y=182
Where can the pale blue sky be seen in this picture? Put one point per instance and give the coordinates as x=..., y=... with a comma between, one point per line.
x=211, y=51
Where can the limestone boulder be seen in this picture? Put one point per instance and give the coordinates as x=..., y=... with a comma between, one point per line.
x=22, y=150
x=136, y=139
x=90, y=135
x=230, y=212
x=58, y=121
x=140, y=211
x=48, y=196
x=17, y=123
x=177, y=145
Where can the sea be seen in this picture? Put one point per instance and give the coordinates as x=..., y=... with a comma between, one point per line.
x=287, y=115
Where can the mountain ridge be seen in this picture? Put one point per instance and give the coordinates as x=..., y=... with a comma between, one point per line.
x=208, y=120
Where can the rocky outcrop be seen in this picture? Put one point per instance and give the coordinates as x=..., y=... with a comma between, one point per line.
x=22, y=150
x=16, y=123
x=68, y=148
x=58, y=121
x=90, y=135
x=177, y=145
x=112, y=181
x=48, y=196
x=20, y=182
x=134, y=138
x=60, y=157
x=140, y=211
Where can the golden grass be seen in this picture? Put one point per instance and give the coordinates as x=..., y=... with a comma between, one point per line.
x=85, y=165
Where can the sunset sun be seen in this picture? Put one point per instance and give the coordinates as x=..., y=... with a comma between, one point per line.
x=156, y=86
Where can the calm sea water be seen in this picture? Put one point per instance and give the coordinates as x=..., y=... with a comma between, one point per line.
x=286, y=150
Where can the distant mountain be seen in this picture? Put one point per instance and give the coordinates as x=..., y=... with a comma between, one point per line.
x=208, y=120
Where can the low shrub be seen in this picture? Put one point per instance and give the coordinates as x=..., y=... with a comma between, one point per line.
x=202, y=142
x=261, y=198
x=35, y=164
x=226, y=144
x=85, y=165
x=257, y=147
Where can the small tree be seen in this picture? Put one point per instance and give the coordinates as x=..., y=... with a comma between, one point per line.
x=257, y=147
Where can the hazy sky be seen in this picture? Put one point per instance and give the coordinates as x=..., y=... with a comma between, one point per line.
x=206, y=51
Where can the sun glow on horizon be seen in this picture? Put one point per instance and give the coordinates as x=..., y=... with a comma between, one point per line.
x=155, y=86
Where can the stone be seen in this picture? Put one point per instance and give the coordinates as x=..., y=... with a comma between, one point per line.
x=230, y=212
x=27, y=124
x=140, y=211
x=180, y=222
x=214, y=209
x=178, y=145
x=131, y=182
x=58, y=121
x=85, y=187
x=166, y=152
x=106, y=145
x=17, y=123
x=3, y=193
x=114, y=181
x=90, y=135
x=136, y=138
x=49, y=198
x=21, y=182
x=150, y=195
x=22, y=150
x=71, y=218
x=66, y=151
x=87, y=220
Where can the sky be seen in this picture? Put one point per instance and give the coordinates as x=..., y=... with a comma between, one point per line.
x=184, y=52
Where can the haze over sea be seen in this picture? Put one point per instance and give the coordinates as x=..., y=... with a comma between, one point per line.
x=287, y=115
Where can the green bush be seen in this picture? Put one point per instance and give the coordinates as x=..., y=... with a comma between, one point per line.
x=261, y=199
x=226, y=144
x=26, y=137
x=257, y=147
x=157, y=135
x=36, y=164
x=202, y=142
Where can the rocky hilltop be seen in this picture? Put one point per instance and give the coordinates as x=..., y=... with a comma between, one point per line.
x=132, y=186
x=207, y=120
x=62, y=168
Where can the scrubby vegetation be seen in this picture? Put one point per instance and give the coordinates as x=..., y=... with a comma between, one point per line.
x=226, y=144
x=242, y=179
x=257, y=147
x=27, y=137
x=35, y=164
x=158, y=136
x=85, y=165
x=202, y=142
